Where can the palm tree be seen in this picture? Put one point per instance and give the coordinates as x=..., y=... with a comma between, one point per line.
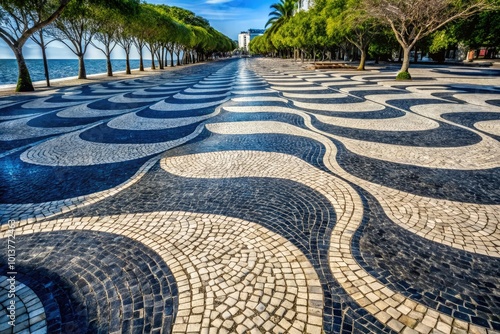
x=282, y=12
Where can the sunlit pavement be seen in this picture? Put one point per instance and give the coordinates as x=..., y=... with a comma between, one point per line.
x=253, y=196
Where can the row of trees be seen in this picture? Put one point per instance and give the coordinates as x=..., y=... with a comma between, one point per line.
x=378, y=27
x=106, y=24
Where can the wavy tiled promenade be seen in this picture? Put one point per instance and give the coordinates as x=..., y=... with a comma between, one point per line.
x=254, y=196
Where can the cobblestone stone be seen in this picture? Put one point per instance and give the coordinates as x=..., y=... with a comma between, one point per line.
x=251, y=196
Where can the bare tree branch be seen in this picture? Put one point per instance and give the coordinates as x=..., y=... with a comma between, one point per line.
x=412, y=20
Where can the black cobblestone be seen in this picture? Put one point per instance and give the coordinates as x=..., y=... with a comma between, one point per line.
x=85, y=281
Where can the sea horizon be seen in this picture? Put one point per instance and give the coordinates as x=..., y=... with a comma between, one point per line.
x=62, y=68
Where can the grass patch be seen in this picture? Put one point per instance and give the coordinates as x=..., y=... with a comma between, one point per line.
x=403, y=76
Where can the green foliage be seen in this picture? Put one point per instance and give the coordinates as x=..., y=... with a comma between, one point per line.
x=261, y=45
x=482, y=29
x=403, y=76
x=413, y=21
x=122, y=20
x=326, y=24
x=282, y=12
x=383, y=44
x=188, y=17
x=441, y=40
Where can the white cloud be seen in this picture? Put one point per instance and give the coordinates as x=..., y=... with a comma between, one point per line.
x=222, y=14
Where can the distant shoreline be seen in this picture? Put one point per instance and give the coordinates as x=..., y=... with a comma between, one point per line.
x=60, y=69
x=43, y=83
x=40, y=86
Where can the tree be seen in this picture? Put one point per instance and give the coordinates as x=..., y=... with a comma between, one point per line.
x=125, y=40
x=262, y=45
x=383, y=45
x=125, y=28
x=293, y=35
x=216, y=43
x=75, y=28
x=481, y=29
x=40, y=39
x=18, y=25
x=353, y=23
x=257, y=45
x=106, y=33
x=158, y=31
x=282, y=12
x=194, y=38
x=170, y=35
x=412, y=20
x=318, y=30
x=201, y=39
x=142, y=27
x=145, y=29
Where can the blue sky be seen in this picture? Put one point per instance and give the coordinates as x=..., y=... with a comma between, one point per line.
x=228, y=16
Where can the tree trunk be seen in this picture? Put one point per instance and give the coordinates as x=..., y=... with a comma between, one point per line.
x=24, y=83
x=415, y=56
x=44, y=57
x=108, y=65
x=158, y=58
x=171, y=58
x=141, y=60
x=162, y=55
x=45, y=66
x=406, y=59
x=152, y=51
x=82, y=73
x=362, y=61
x=127, y=62
x=178, y=59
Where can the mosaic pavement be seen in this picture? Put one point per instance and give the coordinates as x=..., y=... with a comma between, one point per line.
x=251, y=196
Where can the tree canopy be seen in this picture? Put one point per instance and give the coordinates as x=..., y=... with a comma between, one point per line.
x=411, y=21
x=377, y=27
x=82, y=22
x=282, y=12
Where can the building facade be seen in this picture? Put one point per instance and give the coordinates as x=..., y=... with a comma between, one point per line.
x=245, y=37
x=304, y=4
x=243, y=40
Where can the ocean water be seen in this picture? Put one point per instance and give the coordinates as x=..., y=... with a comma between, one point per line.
x=61, y=68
